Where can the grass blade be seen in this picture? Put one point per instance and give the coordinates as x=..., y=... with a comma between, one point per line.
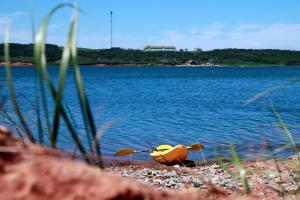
x=20, y=131
x=40, y=60
x=61, y=83
x=267, y=91
x=84, y=104
x=40, y=63
x=287, y=132
x=38, y=113
x=241, y=170
x=12, y=89
x=39, y=119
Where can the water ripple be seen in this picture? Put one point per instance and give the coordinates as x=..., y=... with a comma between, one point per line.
x=180, y=105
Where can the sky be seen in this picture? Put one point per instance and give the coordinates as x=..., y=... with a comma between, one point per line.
x=206, y=24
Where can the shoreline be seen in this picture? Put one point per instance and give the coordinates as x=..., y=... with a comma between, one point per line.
x=262, y=176
x=29, y=64
x=17, y=64
x=112, y=161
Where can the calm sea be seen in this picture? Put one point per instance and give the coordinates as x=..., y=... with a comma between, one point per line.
x=166, y=105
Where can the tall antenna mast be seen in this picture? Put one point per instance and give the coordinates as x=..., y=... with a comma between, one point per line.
x=111, y=29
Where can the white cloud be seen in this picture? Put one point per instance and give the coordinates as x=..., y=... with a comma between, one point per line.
x=216, y=35
x=14, y=14
x=20, y=36
x=8, y=19
x=277, y=36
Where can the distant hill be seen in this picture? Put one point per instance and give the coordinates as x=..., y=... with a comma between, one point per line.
x=118, y=56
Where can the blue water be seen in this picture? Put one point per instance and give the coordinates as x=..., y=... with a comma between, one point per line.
x=154, y=105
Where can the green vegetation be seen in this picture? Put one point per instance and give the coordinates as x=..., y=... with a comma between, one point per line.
x=118, y=56
x=49, y=127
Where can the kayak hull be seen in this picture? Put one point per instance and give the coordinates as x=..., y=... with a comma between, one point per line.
x=175, y=154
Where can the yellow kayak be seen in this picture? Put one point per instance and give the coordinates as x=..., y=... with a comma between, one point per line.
x=166, y=154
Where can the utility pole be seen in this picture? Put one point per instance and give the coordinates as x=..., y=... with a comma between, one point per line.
x=111, y=29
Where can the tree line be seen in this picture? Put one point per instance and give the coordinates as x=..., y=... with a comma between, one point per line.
x=118, y=56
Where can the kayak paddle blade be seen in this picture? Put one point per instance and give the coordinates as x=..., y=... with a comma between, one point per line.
x=195, y=147
x=125, y=152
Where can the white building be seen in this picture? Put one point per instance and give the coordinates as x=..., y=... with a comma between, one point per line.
x=160, y=48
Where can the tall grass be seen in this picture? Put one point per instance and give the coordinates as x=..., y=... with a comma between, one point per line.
x=50, y=127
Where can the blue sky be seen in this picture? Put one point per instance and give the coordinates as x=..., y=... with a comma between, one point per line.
x=207, y=24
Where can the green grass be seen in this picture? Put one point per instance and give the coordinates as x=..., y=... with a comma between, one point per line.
x=49, y=128
x=12, y=89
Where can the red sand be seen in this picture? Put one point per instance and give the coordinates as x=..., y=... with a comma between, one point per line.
x=29, y=171
x=16, y=64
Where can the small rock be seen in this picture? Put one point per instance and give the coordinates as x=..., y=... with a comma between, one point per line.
x=272, y=175
x=125, y=173
x=215, y=166
x=230, y=185
x=187, y=179
x=148, y=180
x=154, y=173
x=171, y=182
x=176, y=166
x=170, y=174
x=215, y=180
x=146, y=172
x=180, y=185
x=197, y=184
x=227, y=176
x=158, y=182
x=173, y=173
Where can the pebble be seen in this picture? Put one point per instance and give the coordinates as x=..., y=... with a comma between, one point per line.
x=125, y=173
x=173, y=173
x=170, y=182
x=157, y=182
x=198, y=177
x=197, y=185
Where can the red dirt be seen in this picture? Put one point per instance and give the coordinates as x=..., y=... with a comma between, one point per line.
x=29, y=171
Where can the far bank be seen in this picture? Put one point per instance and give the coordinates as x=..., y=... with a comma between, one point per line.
x=23, y=53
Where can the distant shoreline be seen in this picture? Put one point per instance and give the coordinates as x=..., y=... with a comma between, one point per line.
x=17, y=64
x=28, y=64
x=130, y=57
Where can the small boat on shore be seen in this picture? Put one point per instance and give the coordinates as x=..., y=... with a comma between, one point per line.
x=167, y=154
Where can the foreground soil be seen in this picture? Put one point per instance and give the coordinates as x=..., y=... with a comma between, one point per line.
x=29, y=171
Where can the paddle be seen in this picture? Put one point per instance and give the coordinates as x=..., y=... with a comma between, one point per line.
x=126, y=152
x=195, y=147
